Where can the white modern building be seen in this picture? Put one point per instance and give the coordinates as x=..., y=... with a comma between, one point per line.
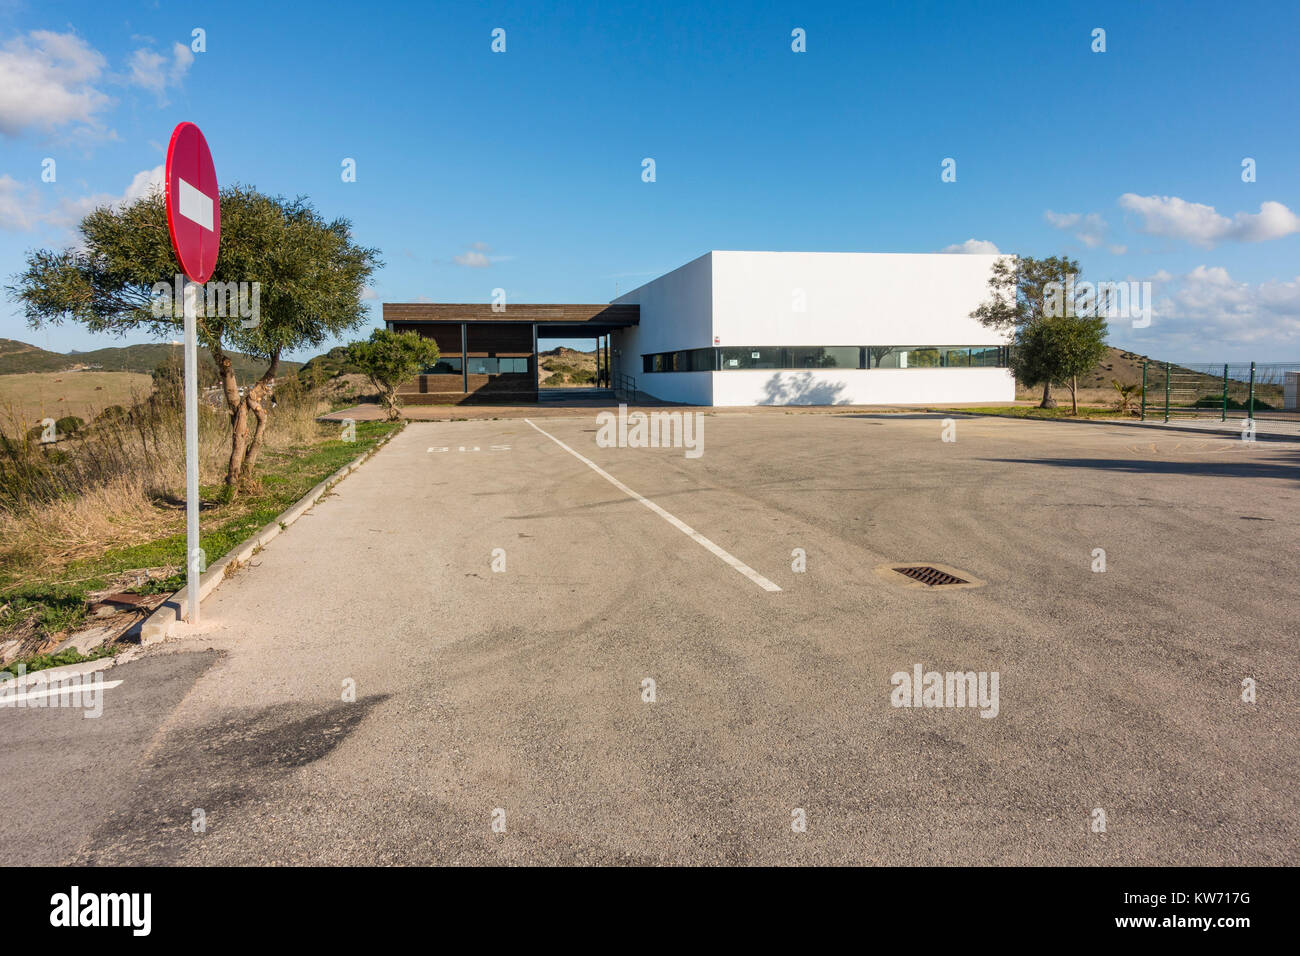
x=741, y=328
x=816, y=328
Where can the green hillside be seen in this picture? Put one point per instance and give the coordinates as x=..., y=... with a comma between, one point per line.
x=21, y=357
x=16, y=357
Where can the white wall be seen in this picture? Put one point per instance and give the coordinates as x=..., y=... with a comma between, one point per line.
x=848, y=298
x=852, y=298
x=676, y=313
x=877, y=386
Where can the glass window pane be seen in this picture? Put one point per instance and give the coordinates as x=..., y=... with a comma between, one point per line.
x=956, y=358
x=752, y=357
x=923, y=358
x=822, y=357
x=482, y=366
x=444, y=366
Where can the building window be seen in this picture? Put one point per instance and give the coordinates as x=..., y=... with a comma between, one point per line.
x=444, y=366
x=513, y=366
x=827, y=356
x=846, y=356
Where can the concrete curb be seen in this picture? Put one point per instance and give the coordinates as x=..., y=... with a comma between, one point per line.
x=158, y=626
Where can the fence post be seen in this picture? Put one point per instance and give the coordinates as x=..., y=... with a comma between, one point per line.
x=1251, y=411
x=1166, y=392
x=1225, y=392
x=1144, y=391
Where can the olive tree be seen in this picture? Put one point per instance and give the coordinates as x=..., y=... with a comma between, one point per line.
x=1053, y=343
x=304, y=276
x=390, y=358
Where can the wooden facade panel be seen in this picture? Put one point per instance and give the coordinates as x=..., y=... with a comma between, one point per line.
x=474, y=312
x=509, y=340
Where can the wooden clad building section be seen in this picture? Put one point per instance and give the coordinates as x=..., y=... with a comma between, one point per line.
x=503, y=342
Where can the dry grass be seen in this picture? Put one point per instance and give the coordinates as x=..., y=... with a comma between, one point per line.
x=35, y=395
x=120, y=483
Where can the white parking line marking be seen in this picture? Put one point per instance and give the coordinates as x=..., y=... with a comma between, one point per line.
x=8, y=699
x=676, y=522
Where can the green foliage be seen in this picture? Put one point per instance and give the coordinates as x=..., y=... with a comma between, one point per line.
x=331, y=364
x=121, y=277
x=1128, y=395
x=390, y=358
x=40, y=662
x=1053, y=351
x=1048, y=348
x=311, y=273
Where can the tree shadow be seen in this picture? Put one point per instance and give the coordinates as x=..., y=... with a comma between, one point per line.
x=801, y=389
x=1285, y=467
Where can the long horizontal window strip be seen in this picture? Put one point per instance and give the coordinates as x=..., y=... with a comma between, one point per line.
x=452, y=365
x=733, y=358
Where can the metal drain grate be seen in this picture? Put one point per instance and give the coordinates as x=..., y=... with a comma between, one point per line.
x=931, y=577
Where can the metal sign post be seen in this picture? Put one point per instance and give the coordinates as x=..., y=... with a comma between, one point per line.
x=194, y=222
x=194, y=565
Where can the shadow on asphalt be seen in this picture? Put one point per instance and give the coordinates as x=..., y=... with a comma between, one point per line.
x=1286, y=469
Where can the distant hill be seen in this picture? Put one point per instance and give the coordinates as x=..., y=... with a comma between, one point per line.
x=21, y=357
x=16, y=357
x=565, y=366
x=328, y=365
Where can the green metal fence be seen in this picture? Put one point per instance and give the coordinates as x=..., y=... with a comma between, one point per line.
x=1233, y=390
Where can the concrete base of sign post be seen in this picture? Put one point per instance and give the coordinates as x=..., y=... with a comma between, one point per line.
x=160, y=624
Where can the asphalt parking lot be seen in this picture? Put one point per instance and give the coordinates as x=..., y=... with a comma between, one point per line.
x=383, y=695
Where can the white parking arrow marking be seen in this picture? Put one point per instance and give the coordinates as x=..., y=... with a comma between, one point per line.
x=195, y=205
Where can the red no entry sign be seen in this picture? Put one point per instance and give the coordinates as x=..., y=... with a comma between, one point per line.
x=193, y=208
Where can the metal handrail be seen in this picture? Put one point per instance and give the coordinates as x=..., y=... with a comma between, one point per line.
x=624, y=386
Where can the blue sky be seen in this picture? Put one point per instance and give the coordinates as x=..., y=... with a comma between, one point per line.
x=522, y=170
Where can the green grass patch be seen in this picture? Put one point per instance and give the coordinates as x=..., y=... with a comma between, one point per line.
x=40, y=662
x=1030, y=411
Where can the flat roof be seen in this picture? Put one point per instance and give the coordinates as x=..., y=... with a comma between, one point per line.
x=601, y=315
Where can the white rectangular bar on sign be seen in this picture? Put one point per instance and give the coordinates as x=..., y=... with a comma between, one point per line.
x=195, y=206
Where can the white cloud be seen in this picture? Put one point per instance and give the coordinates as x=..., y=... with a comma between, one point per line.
x=1207, y=312
x=21, y=208
x=155, y=72
x=972, y=247
x=1089, y=229
x=1202, y=225
x=476, y=257
x=46, y=82
x=472, y=258
x=368, y=294
x=142, y=184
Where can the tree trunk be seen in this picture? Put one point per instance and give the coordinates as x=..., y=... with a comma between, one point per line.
x=238, y=412
x=256, y=399
x=1048, y=401
x=388, y=394
x=1074, y=401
